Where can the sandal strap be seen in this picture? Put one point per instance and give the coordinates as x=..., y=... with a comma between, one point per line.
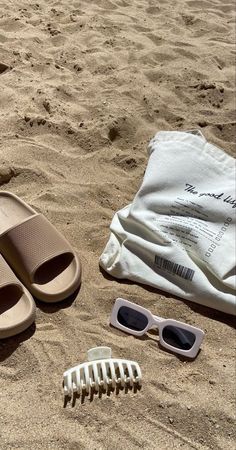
x=7, y=276
x=33, y=243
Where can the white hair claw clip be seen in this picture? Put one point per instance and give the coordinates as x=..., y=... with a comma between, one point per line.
x=101, y=371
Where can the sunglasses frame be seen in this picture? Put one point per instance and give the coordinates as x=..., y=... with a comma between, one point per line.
x=157, y=322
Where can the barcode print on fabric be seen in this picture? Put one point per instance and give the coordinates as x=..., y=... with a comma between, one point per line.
x=170, y=266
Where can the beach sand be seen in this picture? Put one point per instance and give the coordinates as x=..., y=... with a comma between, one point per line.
x=84, y=86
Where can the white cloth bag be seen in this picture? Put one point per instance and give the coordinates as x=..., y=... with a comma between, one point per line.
x=178, y=235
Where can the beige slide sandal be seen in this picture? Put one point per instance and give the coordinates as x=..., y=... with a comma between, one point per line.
x=40, y=256
x=17, y=307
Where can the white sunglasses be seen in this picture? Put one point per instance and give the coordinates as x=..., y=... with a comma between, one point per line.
x=176, y=336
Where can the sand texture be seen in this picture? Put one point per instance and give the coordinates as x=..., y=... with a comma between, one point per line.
x=84, y=86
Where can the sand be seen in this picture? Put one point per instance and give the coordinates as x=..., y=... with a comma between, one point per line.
x=84, y=86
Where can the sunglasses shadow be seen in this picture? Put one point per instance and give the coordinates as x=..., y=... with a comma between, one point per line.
x=154, y=332
x=181, y=358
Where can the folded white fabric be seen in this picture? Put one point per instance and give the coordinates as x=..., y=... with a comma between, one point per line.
x=178, y=235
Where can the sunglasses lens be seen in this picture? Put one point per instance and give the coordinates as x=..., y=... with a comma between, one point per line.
x=178, y=337
x=132, y=319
